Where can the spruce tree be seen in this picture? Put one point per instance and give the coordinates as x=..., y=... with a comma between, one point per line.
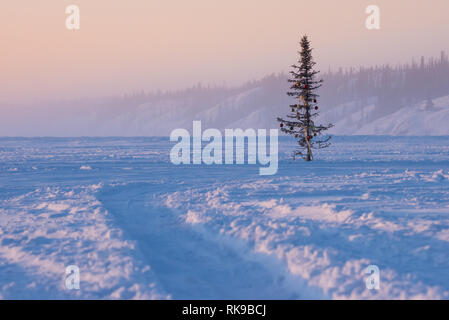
x=301, y=122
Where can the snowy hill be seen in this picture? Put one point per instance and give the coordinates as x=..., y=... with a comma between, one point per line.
x=255, y=108
x=412, y=121
x=247, y=110
x=407, y=121
x=377, y=100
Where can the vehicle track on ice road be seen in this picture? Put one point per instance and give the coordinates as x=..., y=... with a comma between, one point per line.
x=185, y=263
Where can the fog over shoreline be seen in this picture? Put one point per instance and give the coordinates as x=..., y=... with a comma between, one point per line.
x=409, y=99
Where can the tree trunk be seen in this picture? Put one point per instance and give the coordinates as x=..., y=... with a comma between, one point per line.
x=309, y=149
x=309, y=155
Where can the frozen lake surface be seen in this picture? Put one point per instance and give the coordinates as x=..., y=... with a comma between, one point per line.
x=140, y=227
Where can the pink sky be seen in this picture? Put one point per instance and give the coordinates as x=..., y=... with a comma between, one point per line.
x=153, y=44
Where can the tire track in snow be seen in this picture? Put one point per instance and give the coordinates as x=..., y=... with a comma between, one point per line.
x=188, y=263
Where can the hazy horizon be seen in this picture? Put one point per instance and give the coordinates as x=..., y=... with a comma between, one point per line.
x=151, y=45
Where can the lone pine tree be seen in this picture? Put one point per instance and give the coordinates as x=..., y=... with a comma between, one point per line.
x=301, y=118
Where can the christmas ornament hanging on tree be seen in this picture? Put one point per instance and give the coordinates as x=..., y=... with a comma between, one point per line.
x=303, y=89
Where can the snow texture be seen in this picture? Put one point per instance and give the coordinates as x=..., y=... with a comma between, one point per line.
x=140, y=227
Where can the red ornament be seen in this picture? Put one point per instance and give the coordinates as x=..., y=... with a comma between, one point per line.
x=316, y=107
x=281, y=125
x=306, y=86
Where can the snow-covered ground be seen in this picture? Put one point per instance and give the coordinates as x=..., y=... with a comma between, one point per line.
x=139, y=227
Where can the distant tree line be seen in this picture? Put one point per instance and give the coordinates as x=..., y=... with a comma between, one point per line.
x=387, y=87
